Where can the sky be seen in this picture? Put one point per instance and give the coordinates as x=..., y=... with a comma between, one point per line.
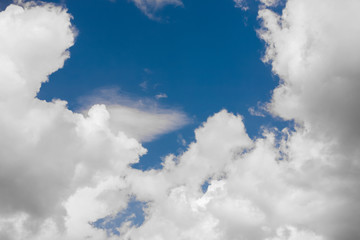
x=201, y=59
x=170, y=119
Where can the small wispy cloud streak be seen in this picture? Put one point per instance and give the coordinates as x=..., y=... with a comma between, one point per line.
x=150, y=7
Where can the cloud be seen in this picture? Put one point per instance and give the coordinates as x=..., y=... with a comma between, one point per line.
x=144, y=126
x=314, y=56
x=284, y=185
x=264, y=3
x=144, y=85
x=161, y=95
x=148, y=71
x=270, y=3
x=150, y=7
x=256, y=111
x=141, y=118
x=59, y=169
x=241, y=4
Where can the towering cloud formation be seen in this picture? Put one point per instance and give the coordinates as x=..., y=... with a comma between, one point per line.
x=61, y=170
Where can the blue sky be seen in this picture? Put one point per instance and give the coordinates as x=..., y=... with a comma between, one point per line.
x=205, y=56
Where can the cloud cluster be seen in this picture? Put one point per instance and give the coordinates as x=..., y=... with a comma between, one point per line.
x=58, y=169
x=61, y=170
x=287, y=185
x=314, y=50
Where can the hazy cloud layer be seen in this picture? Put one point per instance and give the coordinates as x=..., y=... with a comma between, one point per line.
x=61, y=170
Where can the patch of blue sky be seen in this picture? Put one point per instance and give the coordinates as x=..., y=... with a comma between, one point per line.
x=205, y=186
x=204, y=56
x=279, y=6
x=4, y=3
x=133, y=214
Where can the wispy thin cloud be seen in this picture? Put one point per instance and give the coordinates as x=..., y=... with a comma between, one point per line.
x=141, y=118
x=150, y=7
x=241, y=4
x=161, y=95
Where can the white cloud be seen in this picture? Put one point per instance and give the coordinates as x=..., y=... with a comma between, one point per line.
x=302, y=186
x=144, y=126
x=264, y=3
x=292, y=233
x=141, y=118
x=58, y=169
x=161, y=95
x=256, y=112
x=149, y=7
x=270, y=3
x=241, y=4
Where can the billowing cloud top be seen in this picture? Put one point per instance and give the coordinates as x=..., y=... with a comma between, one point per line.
x=61, y=170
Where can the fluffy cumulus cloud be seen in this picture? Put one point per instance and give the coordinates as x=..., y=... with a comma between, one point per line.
x=149, y=7
x=287, y=185
x=61, y=170
x=58, y=169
